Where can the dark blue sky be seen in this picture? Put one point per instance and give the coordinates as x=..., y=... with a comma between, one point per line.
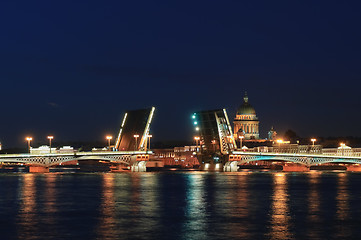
x=71, y=68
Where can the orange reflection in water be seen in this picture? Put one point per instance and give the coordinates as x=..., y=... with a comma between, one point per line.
x=314, y=197
x=135, y=194
x=50, y=193
x=280, y=217
x=241, y=204
x=314, y=204
x=27, y=212
x=342, y=205
x=342, y=197
x=107, y=208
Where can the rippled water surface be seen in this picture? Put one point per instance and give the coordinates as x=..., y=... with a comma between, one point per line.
x=194, y=205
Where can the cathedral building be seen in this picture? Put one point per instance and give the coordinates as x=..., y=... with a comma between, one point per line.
x=246, y=123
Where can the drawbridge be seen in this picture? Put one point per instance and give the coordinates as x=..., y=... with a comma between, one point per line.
x=130, y=147
x=215, y=136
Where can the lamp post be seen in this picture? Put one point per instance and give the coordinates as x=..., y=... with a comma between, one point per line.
x=342, y=146
x=29, y=139
x=109, y=138
x=197, y=139
x=240, y=138
x=149, y=137
x=313, y=140
x=136, y=136
x=279, y=141
x=50, y=138
x=214, y=145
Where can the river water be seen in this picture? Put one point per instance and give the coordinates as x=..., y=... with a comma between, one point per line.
x=181, y=205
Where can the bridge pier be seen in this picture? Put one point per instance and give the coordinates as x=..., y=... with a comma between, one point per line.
x=354, y=168
x=211, y=167
x=230, y=167
x=38, y=169
x=295, y=168
x=139, y=167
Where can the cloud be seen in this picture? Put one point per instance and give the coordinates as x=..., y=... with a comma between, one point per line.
x=53, y=104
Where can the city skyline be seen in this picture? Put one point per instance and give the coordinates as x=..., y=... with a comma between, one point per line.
x=71, y=70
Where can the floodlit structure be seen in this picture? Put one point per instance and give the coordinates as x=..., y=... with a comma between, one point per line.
x=246, y=122
x=134, y=130
x=215, y=135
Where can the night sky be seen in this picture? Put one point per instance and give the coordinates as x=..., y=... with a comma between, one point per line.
x=71, y=68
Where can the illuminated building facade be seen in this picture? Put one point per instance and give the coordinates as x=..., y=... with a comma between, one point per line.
x=246, y=123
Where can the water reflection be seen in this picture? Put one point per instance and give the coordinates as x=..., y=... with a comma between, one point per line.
x=107, y=223
x=28, y=213
x=313, y=205
x=50, y=199
x=280, y=216
x=135, y=194
x=149, y=203
x=343, y=210
x=241, y=204
x=183, y=206
x=195, y=225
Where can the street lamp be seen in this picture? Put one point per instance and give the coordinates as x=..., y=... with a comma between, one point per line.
x=240, y=138
x=29, y=139
x=149, y=137
x=197, y=139
x=279, y=141
x=313, y=140
x=342, y=146
x=109, y=138
x=50, y=138
x=214, y=145
x=136, y=136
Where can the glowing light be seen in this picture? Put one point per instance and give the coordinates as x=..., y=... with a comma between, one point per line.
x=109, y=137
x=206, y=166
x=195, y=123
x=197, y=128
x=193, y=116
x=279, y=141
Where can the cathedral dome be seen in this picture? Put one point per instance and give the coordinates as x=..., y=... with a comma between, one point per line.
x=246, y=108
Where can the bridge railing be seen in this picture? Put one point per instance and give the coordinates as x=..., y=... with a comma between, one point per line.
x=305, y=149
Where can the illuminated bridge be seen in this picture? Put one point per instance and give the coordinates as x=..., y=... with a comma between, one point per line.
x=134, y=159
x=352, y=156
x=130, y=147
x=218, y=148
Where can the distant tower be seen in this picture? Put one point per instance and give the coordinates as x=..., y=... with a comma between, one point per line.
x=246, y=121
x=272, y=134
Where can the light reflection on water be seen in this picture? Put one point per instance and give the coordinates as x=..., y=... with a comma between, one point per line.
x=28, y=217
x=343, y=210
x=107, y=221
x=195, y=205
x=313, y=201
x=280, y=216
